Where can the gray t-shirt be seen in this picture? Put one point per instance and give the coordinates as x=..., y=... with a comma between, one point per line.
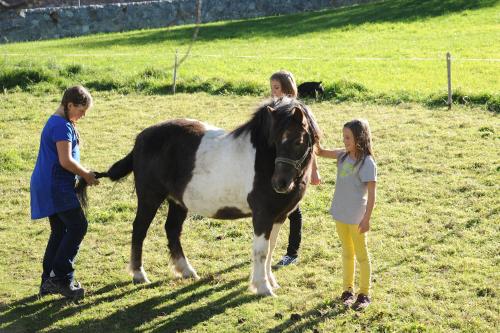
x=351, y=190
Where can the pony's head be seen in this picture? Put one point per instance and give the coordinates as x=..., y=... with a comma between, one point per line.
x=293, y=133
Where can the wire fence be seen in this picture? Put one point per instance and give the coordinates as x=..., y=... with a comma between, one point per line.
x=406, y=79
x=200, y=55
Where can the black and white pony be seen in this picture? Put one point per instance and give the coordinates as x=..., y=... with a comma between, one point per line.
x=261, y=169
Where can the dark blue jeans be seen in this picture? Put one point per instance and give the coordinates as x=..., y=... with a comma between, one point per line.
x=67, y=231
x=295, y=233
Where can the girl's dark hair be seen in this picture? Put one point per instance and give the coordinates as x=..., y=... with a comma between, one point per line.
x=79, y=96
x=362, y=140
x=287, y=81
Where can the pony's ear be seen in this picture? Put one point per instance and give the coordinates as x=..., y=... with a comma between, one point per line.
x=299, y=116
x=266, y=124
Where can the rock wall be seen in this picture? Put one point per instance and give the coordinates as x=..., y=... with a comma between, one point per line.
x=47, y=23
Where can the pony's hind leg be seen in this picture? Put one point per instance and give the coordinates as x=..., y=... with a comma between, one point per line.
x=146, y=210
x=173, y=227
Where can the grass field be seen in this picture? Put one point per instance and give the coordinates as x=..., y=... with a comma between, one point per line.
x=387, y=52
x=434, y=239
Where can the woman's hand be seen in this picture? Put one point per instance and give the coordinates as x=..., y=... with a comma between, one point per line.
x=90, y=178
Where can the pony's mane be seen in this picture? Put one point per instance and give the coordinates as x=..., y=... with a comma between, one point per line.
x=260, y=124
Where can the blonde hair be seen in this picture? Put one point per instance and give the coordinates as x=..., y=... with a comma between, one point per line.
x=287, y=82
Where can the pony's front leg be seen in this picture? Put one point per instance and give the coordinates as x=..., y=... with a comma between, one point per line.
x=260, y=282
x=272, y=244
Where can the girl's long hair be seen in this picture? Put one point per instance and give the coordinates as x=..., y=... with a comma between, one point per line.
x=287, y=81
x=362, y=139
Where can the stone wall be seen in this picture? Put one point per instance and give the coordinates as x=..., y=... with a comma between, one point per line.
x=23, y=4
x=47, y=23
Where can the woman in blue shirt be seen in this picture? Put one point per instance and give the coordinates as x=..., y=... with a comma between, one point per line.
x=53, y=195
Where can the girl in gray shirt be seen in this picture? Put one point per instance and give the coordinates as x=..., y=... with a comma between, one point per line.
x=352, y=206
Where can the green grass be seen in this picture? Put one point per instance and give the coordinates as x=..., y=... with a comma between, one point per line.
x=388, y=52
x=434, y=239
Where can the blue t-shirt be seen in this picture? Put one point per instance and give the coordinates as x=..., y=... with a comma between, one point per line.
x=52, y=187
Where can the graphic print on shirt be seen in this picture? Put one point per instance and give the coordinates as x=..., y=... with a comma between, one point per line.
x=347, y=169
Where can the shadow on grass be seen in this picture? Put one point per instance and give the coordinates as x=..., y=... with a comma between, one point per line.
x=33, y=314
x=310, y=319
x=297, y=24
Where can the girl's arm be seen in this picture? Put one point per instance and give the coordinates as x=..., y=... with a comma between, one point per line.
x=315, y=177
x=70, y=164
x=334, y=153
x=364, y=225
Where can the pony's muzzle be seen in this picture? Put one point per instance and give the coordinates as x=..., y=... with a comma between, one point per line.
x=281, y=184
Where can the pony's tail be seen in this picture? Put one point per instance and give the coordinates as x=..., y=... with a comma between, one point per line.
x=117, y=171
x=121, y=168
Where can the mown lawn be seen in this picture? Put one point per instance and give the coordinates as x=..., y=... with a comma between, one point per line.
x=386, y=52
x=434, y=240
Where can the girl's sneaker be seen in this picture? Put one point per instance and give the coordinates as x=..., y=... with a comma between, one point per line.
x=287, y=260
x=361, y=303
x=347, y=298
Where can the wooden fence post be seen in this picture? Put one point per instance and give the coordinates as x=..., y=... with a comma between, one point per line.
x=448, y=63
x=175, y=73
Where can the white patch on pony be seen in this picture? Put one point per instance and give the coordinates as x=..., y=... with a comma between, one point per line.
x=272, y=244
x=175, y=200
x=183, y=268
x=138, y=275
x=259, y=280
x=223, y=174
x=285, y=137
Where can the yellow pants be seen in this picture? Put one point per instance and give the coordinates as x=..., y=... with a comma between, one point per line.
x=354, y=244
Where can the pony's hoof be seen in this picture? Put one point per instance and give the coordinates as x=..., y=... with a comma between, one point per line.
x=139, y=275
x=143, y=280
x=267, y=292
x=183, y=269
x=262, y=289
x=190, y=275
x=186, y=274
x=273, y=283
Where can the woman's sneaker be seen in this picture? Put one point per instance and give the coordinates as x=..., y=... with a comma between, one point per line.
x=361, y=303
x=347, y=298
x=72, y=290
x=43, y=291
x=287, y=260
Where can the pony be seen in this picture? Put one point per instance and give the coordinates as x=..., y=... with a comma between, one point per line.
x=260, y=169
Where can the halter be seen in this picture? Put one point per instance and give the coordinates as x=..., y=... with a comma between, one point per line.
x=297, y=164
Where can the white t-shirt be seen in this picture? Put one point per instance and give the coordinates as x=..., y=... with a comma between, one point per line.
x=351, y=189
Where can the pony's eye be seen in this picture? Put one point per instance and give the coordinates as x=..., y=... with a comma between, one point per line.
x=297, y=142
